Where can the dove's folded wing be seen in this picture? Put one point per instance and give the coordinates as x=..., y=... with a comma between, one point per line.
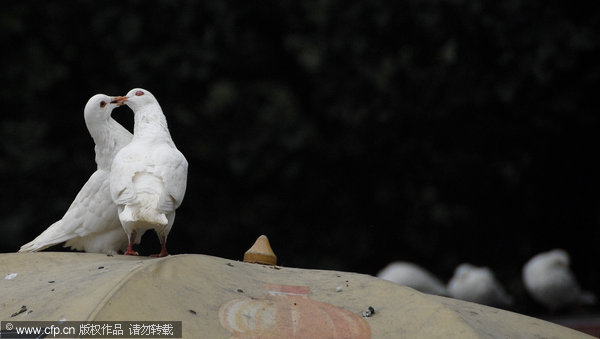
x=173, y=171
x=125, y=165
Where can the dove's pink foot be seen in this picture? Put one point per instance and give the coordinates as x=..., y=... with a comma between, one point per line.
x=130, y=250
x=163, y=253
x=163, y=250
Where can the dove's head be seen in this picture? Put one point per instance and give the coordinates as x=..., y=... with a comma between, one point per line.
x=468, y=272
x=557, y=259
x=99, y=107
x=463, y=270
x=136, y=99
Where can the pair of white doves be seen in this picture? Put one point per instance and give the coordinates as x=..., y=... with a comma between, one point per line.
x=139, y=183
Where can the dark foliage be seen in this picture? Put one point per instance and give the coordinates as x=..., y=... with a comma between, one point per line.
x=352, y=134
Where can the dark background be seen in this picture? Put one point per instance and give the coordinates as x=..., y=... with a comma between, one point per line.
x=352, y=134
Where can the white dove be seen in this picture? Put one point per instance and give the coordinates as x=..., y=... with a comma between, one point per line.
x=148, y=177
x=549, y=280
x=91, y=223
x=413, y=276
x=478, y=285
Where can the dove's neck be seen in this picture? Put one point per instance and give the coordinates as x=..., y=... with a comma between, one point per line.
x=109, y=137
x=150, y=124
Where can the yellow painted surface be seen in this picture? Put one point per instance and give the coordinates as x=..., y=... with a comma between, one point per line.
x=221, y=298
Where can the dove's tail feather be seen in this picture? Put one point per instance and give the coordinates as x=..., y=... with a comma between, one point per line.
x=50, y=237
x=149, y=192
x=144, y=211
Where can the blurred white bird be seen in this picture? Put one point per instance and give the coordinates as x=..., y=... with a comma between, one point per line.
x=549, y=280
x=91, y=223
x=149, y=176
x=478, y=285
x=413, y=276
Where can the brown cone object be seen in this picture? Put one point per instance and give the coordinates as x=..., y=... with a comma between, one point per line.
x=261, y=252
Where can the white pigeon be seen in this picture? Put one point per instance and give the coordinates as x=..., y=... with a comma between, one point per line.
x=148, y=177
x=478, y=285
x=413, y=276
x=91, y=223
x=549, y=280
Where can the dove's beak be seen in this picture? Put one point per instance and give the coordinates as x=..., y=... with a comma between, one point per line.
x=120, y=101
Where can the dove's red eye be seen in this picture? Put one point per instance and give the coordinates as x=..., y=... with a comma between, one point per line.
x=102, y=104
x=138, y=93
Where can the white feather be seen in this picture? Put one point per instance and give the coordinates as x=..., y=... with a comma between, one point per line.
x=91, y=223
x=478, y=285
x=413, y=276
x=549, y=281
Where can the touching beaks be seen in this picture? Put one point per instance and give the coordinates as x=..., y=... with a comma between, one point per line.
x=120, y=101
